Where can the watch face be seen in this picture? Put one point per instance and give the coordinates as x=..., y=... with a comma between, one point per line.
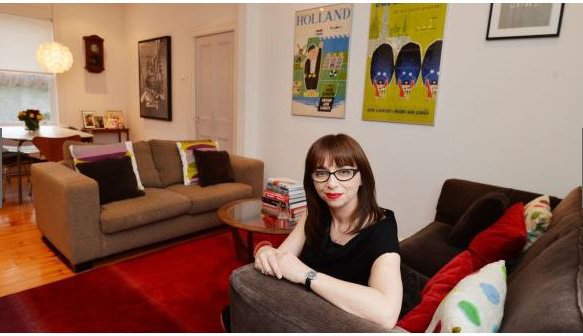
x=94, y=48
x=311, y=275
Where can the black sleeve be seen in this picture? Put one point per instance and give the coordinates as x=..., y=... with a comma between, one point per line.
x=386, y=238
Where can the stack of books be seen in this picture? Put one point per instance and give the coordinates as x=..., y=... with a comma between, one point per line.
x=284, y=195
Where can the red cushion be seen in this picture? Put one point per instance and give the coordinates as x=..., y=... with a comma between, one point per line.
x=418, y=319
x=504, y=239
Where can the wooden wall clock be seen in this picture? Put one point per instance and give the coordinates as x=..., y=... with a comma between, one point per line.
x=94, y=60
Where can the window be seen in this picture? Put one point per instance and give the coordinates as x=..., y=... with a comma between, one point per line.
x=23, y=85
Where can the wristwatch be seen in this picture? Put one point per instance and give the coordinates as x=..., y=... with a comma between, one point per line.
x=310, y=276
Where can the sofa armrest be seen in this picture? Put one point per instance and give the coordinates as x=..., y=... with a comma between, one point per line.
x=248, y=171
x=67, y=210
x=260, y=303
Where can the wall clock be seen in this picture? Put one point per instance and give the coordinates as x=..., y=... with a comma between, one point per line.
x=94, y=61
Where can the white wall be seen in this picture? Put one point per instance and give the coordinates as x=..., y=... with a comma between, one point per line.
x=181, y=22
x=77, y=88
x=509, y=112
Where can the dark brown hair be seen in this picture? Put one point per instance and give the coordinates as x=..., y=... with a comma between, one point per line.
x=343, y=151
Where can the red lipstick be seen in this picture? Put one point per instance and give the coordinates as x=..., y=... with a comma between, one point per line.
x=333, y=196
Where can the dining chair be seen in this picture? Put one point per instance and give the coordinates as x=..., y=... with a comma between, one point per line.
x=52, y=148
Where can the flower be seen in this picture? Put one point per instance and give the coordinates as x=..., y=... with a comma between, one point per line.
x=31, y=118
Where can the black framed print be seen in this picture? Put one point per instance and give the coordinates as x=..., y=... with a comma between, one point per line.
x=524, y=20
x=154, y=59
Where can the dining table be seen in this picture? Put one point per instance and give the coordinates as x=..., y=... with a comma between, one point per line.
x=20, y=135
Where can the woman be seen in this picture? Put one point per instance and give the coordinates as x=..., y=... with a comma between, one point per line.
x=346, y=249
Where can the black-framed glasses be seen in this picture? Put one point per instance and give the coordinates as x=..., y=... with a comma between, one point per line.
x=342, y=174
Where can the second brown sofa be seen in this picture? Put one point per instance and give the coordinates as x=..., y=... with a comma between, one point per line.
x=71, y=219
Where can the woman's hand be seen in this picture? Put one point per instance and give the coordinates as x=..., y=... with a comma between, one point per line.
x=266, y=262
x=292, y=268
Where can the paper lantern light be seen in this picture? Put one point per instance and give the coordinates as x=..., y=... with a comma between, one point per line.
x=54, y=57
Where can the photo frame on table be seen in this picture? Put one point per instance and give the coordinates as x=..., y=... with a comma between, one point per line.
x=155, y=69
x=113, y=119
x=524, y=20
x=88, y=119
x=99, y=121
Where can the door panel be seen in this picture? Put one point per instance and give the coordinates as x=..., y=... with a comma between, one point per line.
x=214, y=88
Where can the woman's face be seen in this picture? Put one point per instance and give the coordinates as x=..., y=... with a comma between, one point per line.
x=339, y=194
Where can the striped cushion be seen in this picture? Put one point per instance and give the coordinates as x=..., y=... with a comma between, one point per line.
x=93, y=153
x=186, y=150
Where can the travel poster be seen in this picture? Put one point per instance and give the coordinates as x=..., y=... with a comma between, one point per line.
x=403, y=62
x=320, y=66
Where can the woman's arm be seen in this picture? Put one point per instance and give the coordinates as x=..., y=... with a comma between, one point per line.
x=380, y=302
x=265, y=259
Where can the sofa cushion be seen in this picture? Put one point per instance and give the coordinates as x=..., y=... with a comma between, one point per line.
x=480, y=215
x=427, y=250
x=167, y=161
x=211, y=197
x=186, y=150
x=550, y=269
x=156, y=205
x=92, y=153
x=146, y=166
x=115, y=177
x=214, y=167
x=537, y=217
x=437, y=288
x=475, y=304
x=504, y=239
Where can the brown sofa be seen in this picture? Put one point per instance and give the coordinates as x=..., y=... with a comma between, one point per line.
x=545, y=292
x=71, y=219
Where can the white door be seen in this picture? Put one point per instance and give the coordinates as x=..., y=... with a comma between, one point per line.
x=214, y=89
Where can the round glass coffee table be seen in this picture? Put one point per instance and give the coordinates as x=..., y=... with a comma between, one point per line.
x=246, y=215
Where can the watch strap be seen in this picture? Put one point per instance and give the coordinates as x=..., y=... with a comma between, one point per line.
x=308, y=284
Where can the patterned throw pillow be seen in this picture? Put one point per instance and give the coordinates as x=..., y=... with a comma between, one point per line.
x=537, y=216
x=93, y=153
x=186, y=150
x=476, y=304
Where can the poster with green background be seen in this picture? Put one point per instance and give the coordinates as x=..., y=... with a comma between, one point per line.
x=403, y=62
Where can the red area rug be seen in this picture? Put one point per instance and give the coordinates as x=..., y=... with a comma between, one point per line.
x=178, y=289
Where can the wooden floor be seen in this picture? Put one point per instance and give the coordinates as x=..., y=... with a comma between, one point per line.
x=25, y=261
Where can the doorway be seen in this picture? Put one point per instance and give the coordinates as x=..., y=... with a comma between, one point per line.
x=214, y=88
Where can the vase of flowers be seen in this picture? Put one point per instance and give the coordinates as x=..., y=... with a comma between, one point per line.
x=31, y=119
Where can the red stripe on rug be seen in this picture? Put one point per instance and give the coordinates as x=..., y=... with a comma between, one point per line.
x=178, y=289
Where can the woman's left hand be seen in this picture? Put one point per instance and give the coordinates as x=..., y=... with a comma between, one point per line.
x=292, y=268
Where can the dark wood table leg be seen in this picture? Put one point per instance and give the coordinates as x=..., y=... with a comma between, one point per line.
x=250, y=246
x=242, y=250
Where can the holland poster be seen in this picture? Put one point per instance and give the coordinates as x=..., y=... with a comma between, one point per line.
x=403, y=62
x=322, y=37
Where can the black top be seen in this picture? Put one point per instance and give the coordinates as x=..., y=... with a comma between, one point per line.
x=353, y=261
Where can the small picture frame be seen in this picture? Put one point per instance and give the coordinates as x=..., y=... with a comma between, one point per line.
x=99, y=121
x=88, y=119
x=113, y=118
x=524, y=20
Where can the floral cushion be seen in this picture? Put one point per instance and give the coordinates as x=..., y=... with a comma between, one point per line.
x=186, y=150
x=476, y=304
x=537, y=216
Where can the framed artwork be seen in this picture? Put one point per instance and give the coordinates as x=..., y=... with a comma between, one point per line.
x=403, y=63
x=99, y=121
x=524, y=20
x=113, y=119
x=320, y=65
x=154, y=59
x=88, y=119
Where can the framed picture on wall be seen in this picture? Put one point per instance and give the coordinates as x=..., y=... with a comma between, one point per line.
x=88, y=119
x=154, y=59
x=524, y=20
